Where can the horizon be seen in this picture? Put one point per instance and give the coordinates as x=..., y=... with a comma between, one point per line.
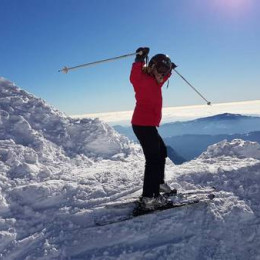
x=181, y=113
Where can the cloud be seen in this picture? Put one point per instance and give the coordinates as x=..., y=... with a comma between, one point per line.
x=184, y=113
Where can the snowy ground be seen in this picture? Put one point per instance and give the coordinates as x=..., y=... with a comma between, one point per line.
x=57, y=172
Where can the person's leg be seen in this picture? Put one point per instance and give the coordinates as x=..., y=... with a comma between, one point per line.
x=163, y=156
x=150, y=142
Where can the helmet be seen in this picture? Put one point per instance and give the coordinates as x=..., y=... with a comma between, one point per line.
x=161, y=62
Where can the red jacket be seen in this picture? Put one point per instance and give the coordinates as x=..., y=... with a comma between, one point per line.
x=148, y=95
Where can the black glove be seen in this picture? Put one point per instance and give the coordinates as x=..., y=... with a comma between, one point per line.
x=145, y=51
x=174, y=66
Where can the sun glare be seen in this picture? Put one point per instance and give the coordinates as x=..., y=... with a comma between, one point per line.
x=233, y=7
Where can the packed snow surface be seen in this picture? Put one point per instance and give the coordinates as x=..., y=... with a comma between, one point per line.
x=57, y=173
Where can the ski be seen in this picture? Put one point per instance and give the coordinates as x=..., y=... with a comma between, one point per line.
x=174, y=194
x=139, y=211
x=198, y=191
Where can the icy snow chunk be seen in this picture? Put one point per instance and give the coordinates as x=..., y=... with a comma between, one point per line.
x=236, y=148
x=14, y=155
x=3, y=204
x=24, y=170
x=5, y=238
x=40, y=195
x=3, y=116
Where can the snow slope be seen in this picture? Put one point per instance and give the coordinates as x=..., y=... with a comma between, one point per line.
x=57, y=172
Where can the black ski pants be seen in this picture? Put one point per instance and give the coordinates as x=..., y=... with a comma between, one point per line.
x=155, y=153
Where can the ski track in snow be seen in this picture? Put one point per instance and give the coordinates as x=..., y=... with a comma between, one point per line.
x=56, y=174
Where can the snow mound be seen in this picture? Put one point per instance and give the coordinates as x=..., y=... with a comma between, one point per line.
x=236, y=148
x=57, y=174
x=229, y=166
x=29, y=121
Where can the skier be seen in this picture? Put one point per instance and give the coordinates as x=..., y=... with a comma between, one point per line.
x=147, y=82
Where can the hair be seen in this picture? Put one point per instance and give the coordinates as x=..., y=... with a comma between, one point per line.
x=147, y=70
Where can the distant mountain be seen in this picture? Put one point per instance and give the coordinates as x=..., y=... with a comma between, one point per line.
x=189, y=139
x=224, y=116
x=174, y=156
x=126, y=131
x=191, y=146
x=214, y=125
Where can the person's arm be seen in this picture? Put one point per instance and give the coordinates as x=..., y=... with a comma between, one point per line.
x=136, y=71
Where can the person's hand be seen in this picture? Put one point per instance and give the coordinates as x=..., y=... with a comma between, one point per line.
x=142, y=53
x=174, y=66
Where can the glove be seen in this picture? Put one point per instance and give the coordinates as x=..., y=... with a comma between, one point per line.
x=145, y=51
x=174, y=66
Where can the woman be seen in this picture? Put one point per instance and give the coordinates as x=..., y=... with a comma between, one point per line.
x=147, y=82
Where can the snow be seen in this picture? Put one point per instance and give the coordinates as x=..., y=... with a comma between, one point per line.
x=238, y=148
x=56, y=174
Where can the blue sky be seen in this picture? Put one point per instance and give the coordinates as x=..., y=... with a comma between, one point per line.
x=215, y=43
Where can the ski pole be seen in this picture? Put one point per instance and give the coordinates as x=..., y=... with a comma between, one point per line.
x=208, y=102
x=67, y=69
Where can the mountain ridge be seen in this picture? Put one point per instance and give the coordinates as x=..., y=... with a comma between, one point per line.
x=225, y=123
